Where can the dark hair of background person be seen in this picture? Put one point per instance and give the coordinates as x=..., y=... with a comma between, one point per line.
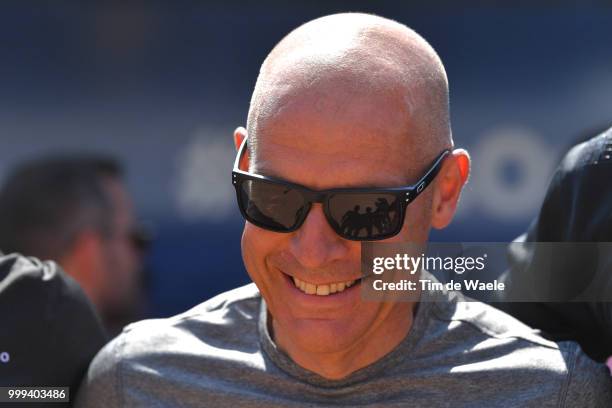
x=44, y=204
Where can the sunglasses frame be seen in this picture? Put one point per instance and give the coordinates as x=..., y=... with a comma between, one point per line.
x=405, y=195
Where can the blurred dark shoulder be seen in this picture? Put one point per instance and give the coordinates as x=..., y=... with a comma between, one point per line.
x=18, y=272
x=578, y=202
x=590, y=151
x=49, y=330
x=577, y=208
x=30, y=287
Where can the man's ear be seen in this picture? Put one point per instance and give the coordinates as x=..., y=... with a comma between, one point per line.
x=449, y=183
x=83, y=262
x=239, y=135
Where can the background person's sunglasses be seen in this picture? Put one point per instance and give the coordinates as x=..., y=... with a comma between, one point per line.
x=357, y=214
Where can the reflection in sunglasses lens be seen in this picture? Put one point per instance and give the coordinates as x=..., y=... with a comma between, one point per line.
x=364, y=216
x=271, y=205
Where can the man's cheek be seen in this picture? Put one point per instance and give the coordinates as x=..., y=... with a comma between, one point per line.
x=256, y=246
x=262, y=240
x=249, y=254
x=253, y=244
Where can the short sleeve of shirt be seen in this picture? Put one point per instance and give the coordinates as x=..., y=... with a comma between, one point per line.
x=589, y=383
x=101, y=386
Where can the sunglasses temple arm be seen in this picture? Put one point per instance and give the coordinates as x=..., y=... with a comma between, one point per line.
x=430, y=175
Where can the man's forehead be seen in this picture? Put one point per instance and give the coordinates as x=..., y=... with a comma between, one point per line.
x=322, y=91
x=330, y=125
x=333, y=113
x=329, y=160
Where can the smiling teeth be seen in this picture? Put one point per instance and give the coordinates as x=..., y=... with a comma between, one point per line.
x=322, y=290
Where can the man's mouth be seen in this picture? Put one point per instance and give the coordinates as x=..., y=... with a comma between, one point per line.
x=323, y=290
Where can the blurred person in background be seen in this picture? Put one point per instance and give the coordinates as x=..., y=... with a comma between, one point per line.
x=577, y=209
x=76, y=211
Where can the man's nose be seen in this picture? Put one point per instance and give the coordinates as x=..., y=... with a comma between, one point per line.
x=315, y=243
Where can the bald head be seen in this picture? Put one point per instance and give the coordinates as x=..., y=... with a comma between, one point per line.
x=338, y=60
x=345, y=101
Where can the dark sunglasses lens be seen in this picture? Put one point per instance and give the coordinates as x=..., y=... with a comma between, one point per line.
x=270, y=205
x=365, y=216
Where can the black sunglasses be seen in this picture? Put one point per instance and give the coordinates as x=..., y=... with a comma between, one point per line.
x=357, y=214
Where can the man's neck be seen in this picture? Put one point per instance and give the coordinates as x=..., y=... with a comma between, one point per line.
x=378, y=341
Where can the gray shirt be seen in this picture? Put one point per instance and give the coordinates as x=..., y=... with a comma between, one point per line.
x=458, y=353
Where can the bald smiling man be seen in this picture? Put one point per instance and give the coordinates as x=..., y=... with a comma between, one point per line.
x=345, y=101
